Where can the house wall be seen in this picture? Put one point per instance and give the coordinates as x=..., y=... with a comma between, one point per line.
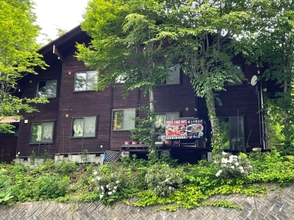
x=242, y=100
x=77, y=104
x=69, y=104
x=7, y=148
x=46, y=112
x=169, y=98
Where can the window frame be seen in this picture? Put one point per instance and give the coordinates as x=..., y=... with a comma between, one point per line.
x=84, y=127
x=85, y=72
x=123, y=129
x=161, y=134
x=42, y=141
x=38, y=88
x=168, y=81
x=177, y=70
x=241, y=138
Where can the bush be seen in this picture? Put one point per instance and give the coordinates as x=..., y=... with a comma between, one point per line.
x=50, y=186
x=232, y=166
x=163, y=179
x=113, y=182
x=5, y=190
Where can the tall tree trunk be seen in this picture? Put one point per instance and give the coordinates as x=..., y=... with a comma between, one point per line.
x=153, y=154
x=215, y=139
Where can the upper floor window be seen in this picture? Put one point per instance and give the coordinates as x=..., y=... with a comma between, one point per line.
x=85, y=81
x=173, y=75
x=47, y=88
x=84, y=126
x=42, y=132
x=123, y=119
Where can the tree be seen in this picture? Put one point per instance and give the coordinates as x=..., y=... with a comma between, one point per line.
x=18, y=56
x=274, y=45
x=208, y=35
x=140, y=39
x=127, y=45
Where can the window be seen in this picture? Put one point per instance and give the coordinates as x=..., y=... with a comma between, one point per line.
x=85, y=81
x=160, y=120
x=123, y=119
x=42, y=132
x=232, y=129
x=84, y=127
x=47, y=88
x=174, y=75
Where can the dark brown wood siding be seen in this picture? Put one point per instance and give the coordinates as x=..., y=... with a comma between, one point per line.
x=243, y=100
x=82, y=104
x=8, y=148
x=117, y=138
x=237, y=100
x=47, y=112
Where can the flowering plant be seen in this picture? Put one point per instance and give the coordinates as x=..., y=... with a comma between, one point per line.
x=110, y=183
x=232, y=166
x=106, y=186
x=163, y=179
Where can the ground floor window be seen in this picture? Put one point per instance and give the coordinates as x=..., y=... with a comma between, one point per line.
x=232, y=131
x=42, y=132
x=123, y=119
x=159, y=123
x=84, y=126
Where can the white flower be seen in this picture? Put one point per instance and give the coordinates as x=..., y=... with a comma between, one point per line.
x=95, y=172
x=218, y=173
x=98, y=178
x=115, y=187
x=101, y=196
x=102, y=187
x=107, y=186
x=117, y=182
x=224, y=160
x=232, y=167
x=224, y=153
x=113, y=191
x=109, y=193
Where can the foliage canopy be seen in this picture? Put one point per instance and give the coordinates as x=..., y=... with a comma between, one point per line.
x=18, y=56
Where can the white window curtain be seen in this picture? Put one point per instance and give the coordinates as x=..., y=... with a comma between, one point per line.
x=78, y=125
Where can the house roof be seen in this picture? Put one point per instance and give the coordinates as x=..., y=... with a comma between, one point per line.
x=57, y=48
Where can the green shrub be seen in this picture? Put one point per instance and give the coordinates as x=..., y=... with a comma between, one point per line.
x=5, y=190
x=113, y=182
x=65, y=167
x=163, y=179
x=50, y=186
x=232, y=166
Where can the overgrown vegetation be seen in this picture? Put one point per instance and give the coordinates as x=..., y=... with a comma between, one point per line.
x=163, y=182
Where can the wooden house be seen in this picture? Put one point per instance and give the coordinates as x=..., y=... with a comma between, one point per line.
x=78, y=119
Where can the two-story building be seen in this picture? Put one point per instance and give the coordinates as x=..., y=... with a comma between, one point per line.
x=78, y=118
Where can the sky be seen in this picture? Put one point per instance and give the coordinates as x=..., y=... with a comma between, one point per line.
x=53, y=14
